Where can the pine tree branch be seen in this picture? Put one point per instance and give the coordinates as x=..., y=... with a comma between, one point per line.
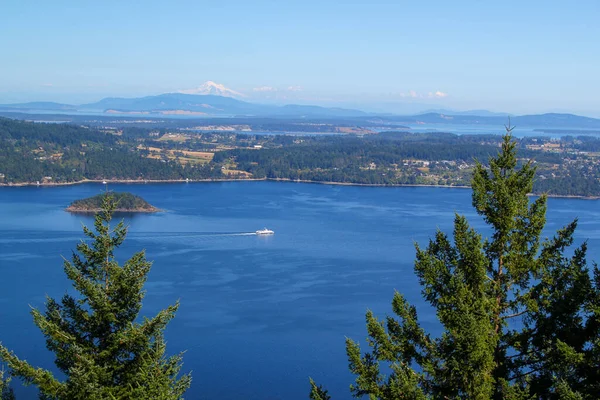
x=515, y=314
x=524, y=374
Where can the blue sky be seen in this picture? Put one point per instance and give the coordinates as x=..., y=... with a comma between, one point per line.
x=514, y=56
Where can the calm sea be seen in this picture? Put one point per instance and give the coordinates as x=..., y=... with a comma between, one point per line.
x=258, y=315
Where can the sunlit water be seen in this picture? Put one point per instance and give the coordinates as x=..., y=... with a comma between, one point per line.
x=259, y=314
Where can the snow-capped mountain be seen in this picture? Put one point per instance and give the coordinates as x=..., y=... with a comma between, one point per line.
x=212, y=88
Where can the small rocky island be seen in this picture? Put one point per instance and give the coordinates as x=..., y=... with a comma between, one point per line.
x=126, y=202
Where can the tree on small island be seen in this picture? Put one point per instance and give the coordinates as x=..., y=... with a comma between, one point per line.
x=124, y=202
x=520, y=316
x=103, y=348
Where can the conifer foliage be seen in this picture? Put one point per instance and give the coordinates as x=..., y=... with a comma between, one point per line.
x=520, y=316
x=6, y=392
x=101, y=345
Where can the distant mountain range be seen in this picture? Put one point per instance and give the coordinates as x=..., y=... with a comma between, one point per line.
x=477, y=113
x=224, y=104
x=171, y=102
x=39, y=105
x=187, y=104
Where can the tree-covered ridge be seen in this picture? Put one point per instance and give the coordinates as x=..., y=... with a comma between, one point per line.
x=60, y=153
x=124, y=202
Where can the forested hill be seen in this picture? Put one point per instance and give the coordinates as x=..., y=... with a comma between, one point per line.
x=31, y=152
x=60, y=153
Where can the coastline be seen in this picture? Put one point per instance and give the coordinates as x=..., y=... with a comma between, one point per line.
x=132, y=181
x=138, y=181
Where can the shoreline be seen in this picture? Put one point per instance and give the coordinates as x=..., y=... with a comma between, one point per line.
x=137, y=181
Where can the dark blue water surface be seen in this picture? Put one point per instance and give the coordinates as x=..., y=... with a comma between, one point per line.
x=258, y=315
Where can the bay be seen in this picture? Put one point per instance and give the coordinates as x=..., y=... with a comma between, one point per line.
x=258, y=315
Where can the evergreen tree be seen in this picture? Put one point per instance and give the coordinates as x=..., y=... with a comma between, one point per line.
x=100, y=344
x=520, y=317
x=6, y=392
x=317, y=392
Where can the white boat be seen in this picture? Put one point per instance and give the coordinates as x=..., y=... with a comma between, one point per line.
x=264, y=232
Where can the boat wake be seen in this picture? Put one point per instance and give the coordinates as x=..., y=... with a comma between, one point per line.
x=223, y=234
x=191, y=235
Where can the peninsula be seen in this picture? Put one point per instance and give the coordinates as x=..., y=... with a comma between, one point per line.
x=126, y=202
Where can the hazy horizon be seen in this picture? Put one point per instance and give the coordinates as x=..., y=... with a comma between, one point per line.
x=379, y=57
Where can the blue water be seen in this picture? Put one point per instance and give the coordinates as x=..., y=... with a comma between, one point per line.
x=481, y=129
x=258, y=315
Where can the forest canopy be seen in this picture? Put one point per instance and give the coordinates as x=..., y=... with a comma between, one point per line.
x=46, y=154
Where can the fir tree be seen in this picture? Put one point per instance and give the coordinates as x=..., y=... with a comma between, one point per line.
x=103, y=348
x=317, y=392
x=520, y=316
x=6, y=392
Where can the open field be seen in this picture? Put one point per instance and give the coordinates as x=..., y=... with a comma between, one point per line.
x=183, y=156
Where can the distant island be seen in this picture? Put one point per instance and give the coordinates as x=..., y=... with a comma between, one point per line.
x=126, y=202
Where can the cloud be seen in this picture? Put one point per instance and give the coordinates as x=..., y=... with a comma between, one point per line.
x=410, y=93
x=264, y=89
x=48, y=84
x=431, y=95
